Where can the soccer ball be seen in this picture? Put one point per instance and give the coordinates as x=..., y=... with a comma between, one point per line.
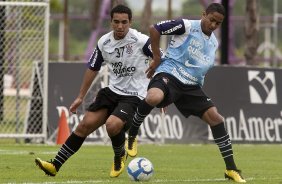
x=140, y=169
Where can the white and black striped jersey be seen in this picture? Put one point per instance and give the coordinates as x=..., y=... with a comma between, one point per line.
x=127, y=60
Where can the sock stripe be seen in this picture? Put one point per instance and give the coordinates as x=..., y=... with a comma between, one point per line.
x=223, y=145
x=65, y=152
x=226, y=151
x=118, y=147
x=142, y=111
x=58, y=161
x=69, y=150
x=228, y=156
x=138, y=119
x=219, y=138
x=139, y=114
x=64, y=159
x=222, y=139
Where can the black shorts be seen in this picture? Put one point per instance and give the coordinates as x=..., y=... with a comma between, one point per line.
x=189, y=100
x=118, y=105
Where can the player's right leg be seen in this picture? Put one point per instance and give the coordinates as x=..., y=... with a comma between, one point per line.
x=90, y=122
x=234, y=175
x=222, y=139
x=116, y=125
x=155, y=96
x=47, y=166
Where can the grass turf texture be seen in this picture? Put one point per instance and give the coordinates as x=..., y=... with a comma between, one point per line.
x=261, y=164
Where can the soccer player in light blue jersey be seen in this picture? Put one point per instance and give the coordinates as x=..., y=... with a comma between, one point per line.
x=179, y=76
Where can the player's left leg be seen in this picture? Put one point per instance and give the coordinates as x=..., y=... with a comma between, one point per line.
x=118, y=122
x=222, y=139
x=194, y=101
x=142, y=111
x=115, y=129
x=90, y=122
x=157, y=89
x=120, y=154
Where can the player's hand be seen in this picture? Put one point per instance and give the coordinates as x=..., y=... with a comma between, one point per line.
x=75, y=105
x=152, y=68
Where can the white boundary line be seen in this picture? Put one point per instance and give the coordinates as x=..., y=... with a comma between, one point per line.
x=23, y=3
x=13, y=152
x=151, y=181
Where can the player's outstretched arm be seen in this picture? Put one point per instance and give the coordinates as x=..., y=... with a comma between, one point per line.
x=89, y=76
x=155, y=43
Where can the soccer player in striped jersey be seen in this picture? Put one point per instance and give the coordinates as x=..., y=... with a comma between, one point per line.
x=126, y=52
x=179, y=76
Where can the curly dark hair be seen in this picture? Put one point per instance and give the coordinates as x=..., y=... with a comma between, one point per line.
x=216, y=7
x=121, y=9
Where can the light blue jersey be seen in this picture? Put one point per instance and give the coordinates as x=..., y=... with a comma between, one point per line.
x=190, y=53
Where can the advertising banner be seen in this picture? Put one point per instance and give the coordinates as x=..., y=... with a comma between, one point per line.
x=248, y=98
x=250, y=101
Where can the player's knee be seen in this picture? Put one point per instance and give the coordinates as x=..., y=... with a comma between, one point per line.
x=112, y=128
x=82, y=130
x=212, y=117
x=216, y=118
x=154, y=97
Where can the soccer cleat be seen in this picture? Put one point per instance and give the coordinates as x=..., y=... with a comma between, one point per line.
x=118, y=166
x=131, y=146
x=234, y=175
x=47, y=167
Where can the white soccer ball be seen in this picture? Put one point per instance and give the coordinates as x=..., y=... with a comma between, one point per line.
x=140, y=169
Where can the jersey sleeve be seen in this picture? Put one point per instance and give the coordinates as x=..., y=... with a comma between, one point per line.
x=170, y=27
x=147, y=50
x=96, y=60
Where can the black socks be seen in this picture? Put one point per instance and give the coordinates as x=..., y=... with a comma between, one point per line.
x=142, y=111
x=221, y=138
x=118, y=144
x=71, y=146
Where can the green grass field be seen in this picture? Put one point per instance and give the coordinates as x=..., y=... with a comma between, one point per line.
x=261, y=164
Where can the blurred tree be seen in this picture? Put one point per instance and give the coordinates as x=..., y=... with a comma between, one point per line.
x=146, y=17
x=251, y=31
x=56, y=6
x=169, y=9
x=191, y=8
x=116, y=2
x=99, y=15
x=66, y=32
x=94, y=12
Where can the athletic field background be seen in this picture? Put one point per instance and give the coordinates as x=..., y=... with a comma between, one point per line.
x=261, y=164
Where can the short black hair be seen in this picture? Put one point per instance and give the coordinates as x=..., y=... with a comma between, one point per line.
x=216, y=7
x=121, y=9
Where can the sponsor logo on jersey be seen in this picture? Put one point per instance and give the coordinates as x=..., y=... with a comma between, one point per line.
x=123, y=111
x=134, y=38
x=194, y=30
x=190, y=65
x=165, y=79
x=165, y=21
x=188, y=75
x=93, y=57
x=171, y=30
x=121, y=70
x=129, y=49
x=107, y=41
x=195, y=51
x=176, y=74
x=134, y=93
